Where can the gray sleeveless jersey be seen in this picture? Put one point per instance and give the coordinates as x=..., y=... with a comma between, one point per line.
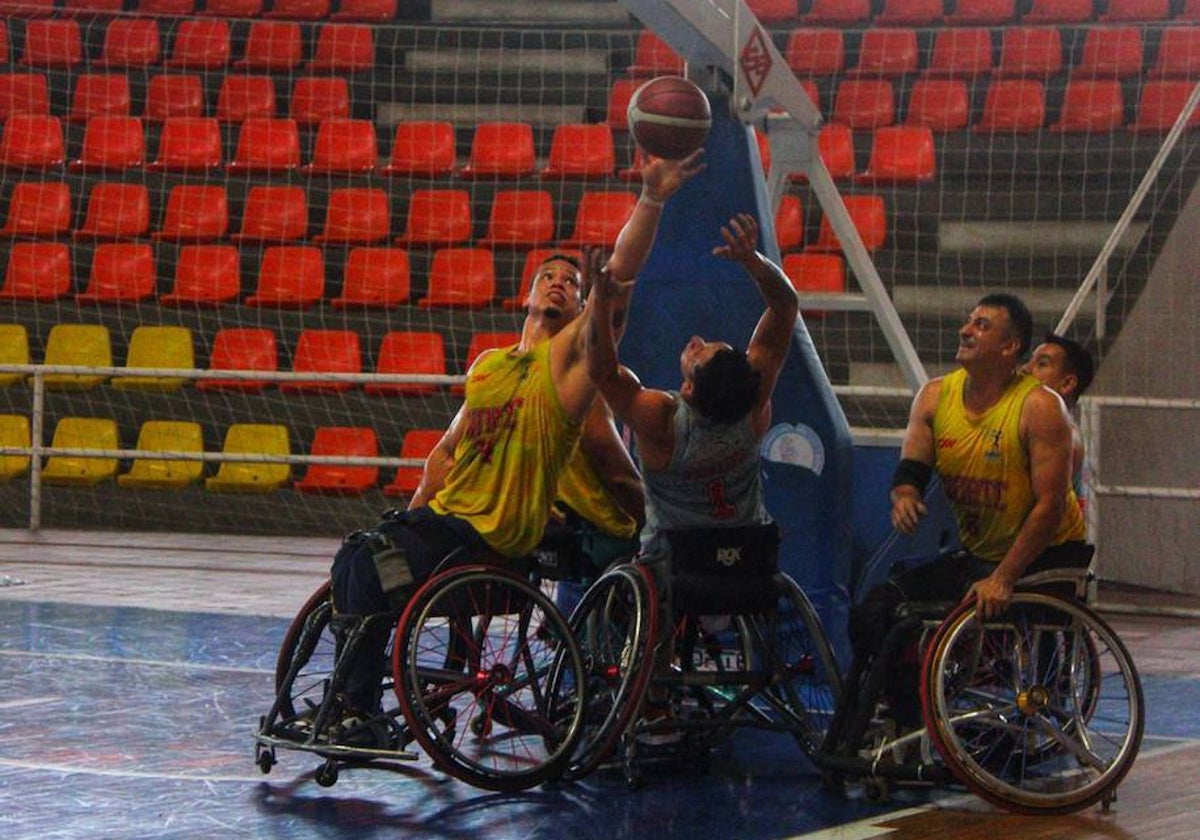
x=713, y=480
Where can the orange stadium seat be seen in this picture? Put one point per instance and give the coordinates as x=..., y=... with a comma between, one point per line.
x=838, y=12
x=437, y=218
x=500, y=150
x=580, y=150
x=289, y=277
x=343, y=48
x=1058, y=11
x=599, y=217
x=32, y=141
x=174, y=96
x=273, y=45
x=100, y=95
x=1013, y=105
x=414, y=353
x=789, y=224
x=939, y=104
x=344, y=146
x=869, y=215
x=169, y=8
x=461, y=278
x=1030, y=52
x=375, y=277
x=900, y=154
x=37, y=271
x=122, y=272
x=864, y=103
x=243, y=97
x=55, y=43
x=267, y=145
x=982, y=13
x=299, y=9
x=205, y=275
x=835, y=145
x=887, y=52
x=274, y=214
x=111, y=144
x=195, y=213
x=324, y=351
x=481, y=342
x=417, y=443
x=652, y=56
x=233, y=8
x=315, y=99
x=1091, y=106
x=116, y=211
x=534, y=258
x=1178, y=53
x=38, y=208
x=1160, y=105
x=617, y=114
x=130, y=43
x=27, y=8
x=816, y=52
x=356, y=215
x=243, y=349
x=774, y=11
x=1136, y=11
x=961, y=52
x=188, y=144
x=519, y=219
x=341, y=479
x=815, y=274
x=23, y=93
x=200, y=45
x=88, y=8
x=910, y=13
x=373, y=11
x=1110, y=52
x=422, y=149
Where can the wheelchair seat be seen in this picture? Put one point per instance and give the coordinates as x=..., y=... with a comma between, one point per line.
x=724, y=570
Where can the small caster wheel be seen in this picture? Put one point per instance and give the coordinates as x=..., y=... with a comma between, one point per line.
x=264, y=758
x=876, y=790
x=327, y=774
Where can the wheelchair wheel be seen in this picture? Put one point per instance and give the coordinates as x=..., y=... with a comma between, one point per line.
x=616, y=627
x=1037, y=711
x=489, y=678
x=306, y=658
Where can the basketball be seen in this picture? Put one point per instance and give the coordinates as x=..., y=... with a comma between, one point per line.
x=669, y=117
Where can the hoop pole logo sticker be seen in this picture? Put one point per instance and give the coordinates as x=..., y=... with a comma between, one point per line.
x=796, y=445
x=755, y=60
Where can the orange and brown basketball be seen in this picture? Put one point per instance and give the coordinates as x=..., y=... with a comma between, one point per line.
x=669, y=117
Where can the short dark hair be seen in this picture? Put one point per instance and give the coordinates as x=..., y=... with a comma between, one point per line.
x=725, y=388
x=1079, y=362
x=1018, y=316
x=571, y=259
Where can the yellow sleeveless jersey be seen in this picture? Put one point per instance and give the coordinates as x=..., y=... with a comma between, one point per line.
x=580, y=487
x=514, y=448
x=985, y=471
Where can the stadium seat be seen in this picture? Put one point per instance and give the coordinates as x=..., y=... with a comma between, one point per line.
x=14, y=434
x=982, y=13
x=838, y=13
x=835, y=145
x=961, y=53
x=272, y=45
x=252, y=476
x=274, y=214
x=14, y=350
x=233, y=8
x=37, y=271
x=617, y=113
x=188, y=144
x=129, y=43
x=375, y=277
x=169, y=8
x=939, y=104
x=205, y=275
x=23, y=93
x=519, y=219
x=1178, y=53
x=1030, y=52
x=194, y=213
x=869, y=215
x=344, y=147
x=82, y=470
x=38, y=208
x=1111, y=52
x=55, y=43
x=267, y=145
x=910, y=13
x=167, y=348
x=581, y=150
x=900, y=154
x=864, y=103
x=1058, y=11
x=1091, y=106
x=111, y=144
x=289, y=277
x=324, y=351
x=771, y=12
x=99, y=95
x=789, y=224
x=461, y=278
x=815, y=274
x=356, y=215
x=242, y=349
x=299, y=9
x=599, y=217
x=415, y=353
x=417, y=443
x=372, y=11
x=887, y=53
x=174, y=96
x=500, y=150
x=343, y=48
x=816, y=52
x=1013, y=105
x=534, y=258
x=86, y=345
x=341, y=479
x=482, y=342
x=27, y=8
x=1189, y=13
x=652, y=56
x=1161, y=103
x=437, y=218
x=160, y=473
x=200, y=45
x=31, y=141
x=116, y=211
x=89, y=8
x=315, y=99
x=422, y=150
x=122, y=272
x=243, y=97
x=5, y=57
x=1136, y=11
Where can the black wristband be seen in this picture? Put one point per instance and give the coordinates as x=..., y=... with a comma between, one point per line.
x=915, y=473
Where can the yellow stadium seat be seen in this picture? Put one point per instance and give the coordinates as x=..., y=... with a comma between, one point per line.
x=77, y=344
x=251, y=476
x=14, y=432
x=159, y=474
x=14, y=350
x=80, y=470
x=157, y=347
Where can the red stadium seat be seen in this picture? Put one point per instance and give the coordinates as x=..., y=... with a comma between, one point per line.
x=815, y=274
x=816, y=52
x=324, y=351
x=1030, y=52
x=789, y=224
x=617, y=115
x=242, y=348
x=53, y=43
x=500, y=150
x=1058, y=11
x=174, y=96
x=267, y=145
x=31, y=141
x=38, y=208
x=372, y=11
x=481, y=342
x=887, y=53
x=437, y=218
x=343, y=48
x=771, y=12
x=910, y=13
x=299, y=9
x=939, y=104
x=1091, y=106
x=414, y=353
x=195, y=213
x=418, y=443
x=274, y=214
x=1113, y=52
x=200, y=45
x=341, y=479
x=835, y=146
x=356, y=215
x=533, y=259
x=315, y=99
x=982, y=13
x=27, y=8
x=652, y=56
x=289, y=277
x=111, y=144
x=243, y=97
x=422, y=149
x=131, y=42
x=4, y=50
x=864, y=103
x=188, y=144
x=519, y=219
x=838, y=12
x=599, y=217
x=900, y=154
x=88, y=8
x=205, y=275
x=1013, y=105
x=37, y=271
x=344, y=146
x=1136, y=11
x=169, y=8
x=375, y=277
x=100, y=95
x=869, y=215
x=233, y=8
x=23, y=93
x=1189, y=13
x=272, y=45
x=579, y=150
x=1161, y=103
x=961, y=53
x=1178, y=53
x=122, y=272
x=116, y=211
x=461, y=278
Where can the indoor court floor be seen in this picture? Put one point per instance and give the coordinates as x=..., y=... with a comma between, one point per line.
x=133, y=670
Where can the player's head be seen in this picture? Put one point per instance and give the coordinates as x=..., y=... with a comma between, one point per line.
x=1063, y=365
x=557, y=292
x=999, y=327
x=718, y=380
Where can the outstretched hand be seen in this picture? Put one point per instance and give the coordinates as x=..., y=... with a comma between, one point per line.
x=741, y=239
x=662, y=178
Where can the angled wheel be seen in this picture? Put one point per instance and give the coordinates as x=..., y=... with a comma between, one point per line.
x=1037, y=711
x=489, y=678
x=306, y=659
